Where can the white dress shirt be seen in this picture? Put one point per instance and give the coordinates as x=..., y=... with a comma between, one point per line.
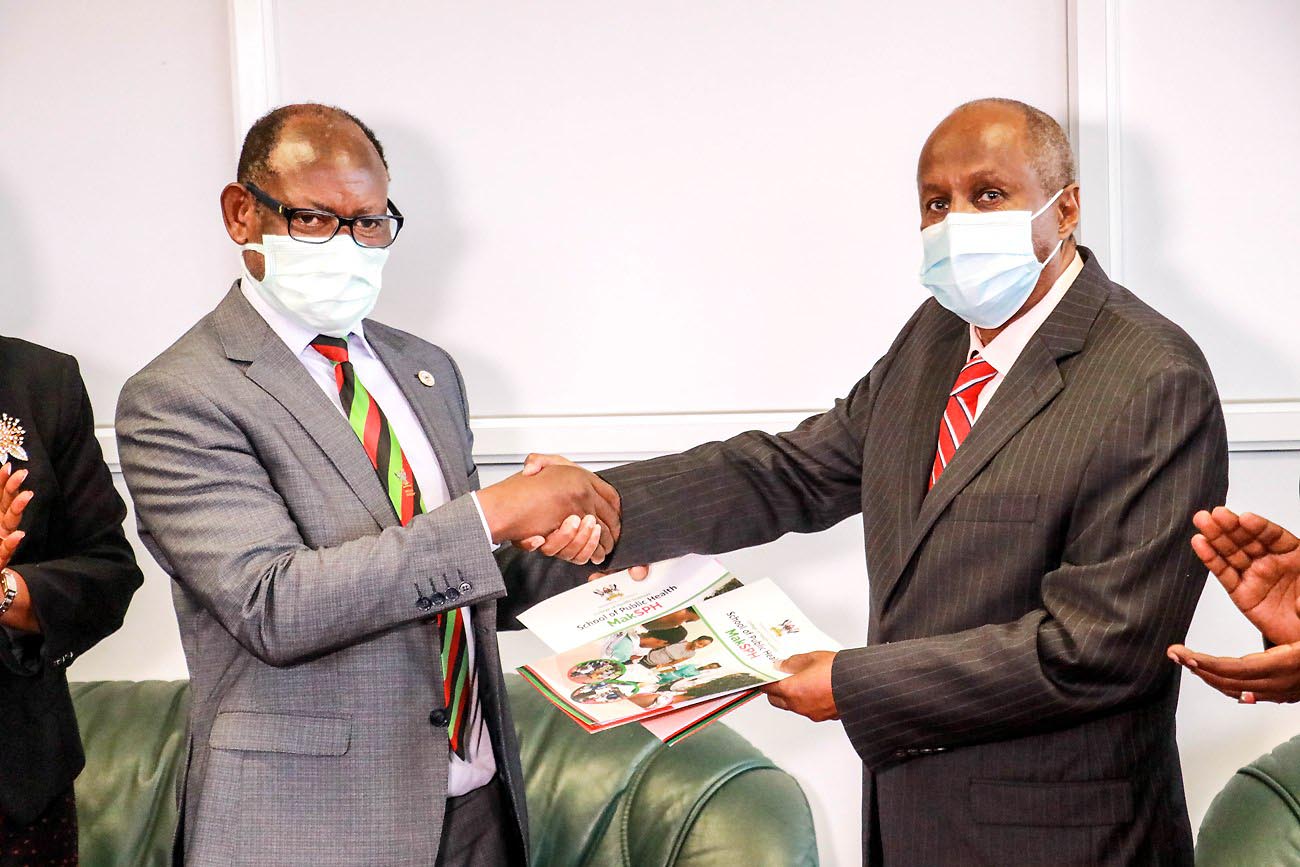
x=1003, y=350
x=463, y=776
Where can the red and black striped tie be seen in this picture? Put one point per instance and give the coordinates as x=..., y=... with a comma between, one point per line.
x=959, y=414
x=386, y=456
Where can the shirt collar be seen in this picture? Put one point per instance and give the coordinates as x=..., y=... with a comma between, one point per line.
x=295, y=335
x=1003, y=350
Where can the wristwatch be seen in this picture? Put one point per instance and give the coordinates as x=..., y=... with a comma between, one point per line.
x=9, y=581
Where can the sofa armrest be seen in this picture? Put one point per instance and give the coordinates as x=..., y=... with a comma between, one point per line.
x=1255, y=819
x=620, y=797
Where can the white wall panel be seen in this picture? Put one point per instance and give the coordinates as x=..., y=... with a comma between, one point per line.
x=1208, y=97
x=660, y=207
x=116, y=125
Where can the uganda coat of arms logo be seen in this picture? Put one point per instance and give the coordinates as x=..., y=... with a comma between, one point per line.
x=11, y=438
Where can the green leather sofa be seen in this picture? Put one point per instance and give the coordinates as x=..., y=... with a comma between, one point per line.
x=1255, y=820
x=614, y=798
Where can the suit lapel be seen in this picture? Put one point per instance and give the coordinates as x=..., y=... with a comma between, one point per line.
x=943, y=360
x=1033, y=382
x=428, y=404
x=247, y=338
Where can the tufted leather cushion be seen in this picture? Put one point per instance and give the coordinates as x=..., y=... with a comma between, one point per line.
x=615, y=798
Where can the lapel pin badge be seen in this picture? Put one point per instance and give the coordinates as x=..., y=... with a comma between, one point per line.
x=426, y=378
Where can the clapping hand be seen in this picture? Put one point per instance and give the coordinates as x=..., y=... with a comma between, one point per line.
x=1258, y=563
x=13, y=500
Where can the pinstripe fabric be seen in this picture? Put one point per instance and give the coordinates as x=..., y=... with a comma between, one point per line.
x=1012, y=702
x=313, y=666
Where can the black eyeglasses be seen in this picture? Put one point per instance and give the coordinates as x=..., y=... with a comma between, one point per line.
x=316, y=227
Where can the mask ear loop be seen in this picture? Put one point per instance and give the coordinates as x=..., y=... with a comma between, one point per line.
x=1036, y=214
x=1060, y=243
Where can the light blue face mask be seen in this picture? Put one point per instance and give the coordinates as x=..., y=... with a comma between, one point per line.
x=982, y=266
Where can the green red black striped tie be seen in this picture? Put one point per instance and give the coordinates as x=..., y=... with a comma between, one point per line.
x=386, y=456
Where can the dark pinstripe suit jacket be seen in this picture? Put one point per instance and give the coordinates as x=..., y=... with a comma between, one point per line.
x=1013, y=704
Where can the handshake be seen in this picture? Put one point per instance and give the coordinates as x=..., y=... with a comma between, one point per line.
x=556, y=507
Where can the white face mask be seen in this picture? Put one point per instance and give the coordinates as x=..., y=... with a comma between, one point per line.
x=328, y=288
x=982, y=266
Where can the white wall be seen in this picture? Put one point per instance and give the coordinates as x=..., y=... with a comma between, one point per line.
x=718, y=195
x=115, y=139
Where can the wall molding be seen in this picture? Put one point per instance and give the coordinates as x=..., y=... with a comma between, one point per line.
x=1094, y=125
x=254, y=64
x=1254, y=426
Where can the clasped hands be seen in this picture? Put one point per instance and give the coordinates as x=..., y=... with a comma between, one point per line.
x=562, y=510
x=1258, y=563
x=556, y=507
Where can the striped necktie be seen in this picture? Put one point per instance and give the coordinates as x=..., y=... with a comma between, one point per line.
x=959, y=414
x=386, y=456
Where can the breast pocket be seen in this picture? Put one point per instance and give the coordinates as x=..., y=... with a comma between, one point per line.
x=980, y=506
x=281, y=733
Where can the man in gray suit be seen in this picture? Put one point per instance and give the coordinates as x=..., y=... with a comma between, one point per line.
x=1026, y=458
x=306, y=479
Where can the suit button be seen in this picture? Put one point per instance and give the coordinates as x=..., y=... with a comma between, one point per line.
x=452, y=594
x=465, y=587
x=424, y=603
x=438, y=717
x=438, y=599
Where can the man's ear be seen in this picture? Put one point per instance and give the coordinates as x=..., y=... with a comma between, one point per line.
x=1067, y=209
x=239, y=213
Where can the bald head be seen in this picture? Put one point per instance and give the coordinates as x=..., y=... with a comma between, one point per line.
x=1043, y=143
x=292, y=136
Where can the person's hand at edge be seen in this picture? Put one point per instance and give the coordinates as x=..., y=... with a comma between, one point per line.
x=1272, y=675
x=807, y=691
x=638, y=573
x=1258, y=564
x=13, y=502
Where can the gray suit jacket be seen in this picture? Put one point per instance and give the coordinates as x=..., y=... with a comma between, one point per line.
x=1013, y=704
x=315, y=733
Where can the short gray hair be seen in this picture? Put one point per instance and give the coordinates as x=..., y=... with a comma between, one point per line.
x=1049, y=147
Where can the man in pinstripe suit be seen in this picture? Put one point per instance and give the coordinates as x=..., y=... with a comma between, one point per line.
x=1013, y=703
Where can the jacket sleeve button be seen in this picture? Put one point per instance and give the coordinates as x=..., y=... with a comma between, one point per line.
x=438, y=717
x=438, y=599
x=465, y=587
x=452, y=594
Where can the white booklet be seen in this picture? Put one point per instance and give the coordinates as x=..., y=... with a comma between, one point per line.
x=674, y=651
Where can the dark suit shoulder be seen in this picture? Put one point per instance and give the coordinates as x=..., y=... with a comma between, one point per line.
x=41, y=386
x=34, y=360
x=1127, y=323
